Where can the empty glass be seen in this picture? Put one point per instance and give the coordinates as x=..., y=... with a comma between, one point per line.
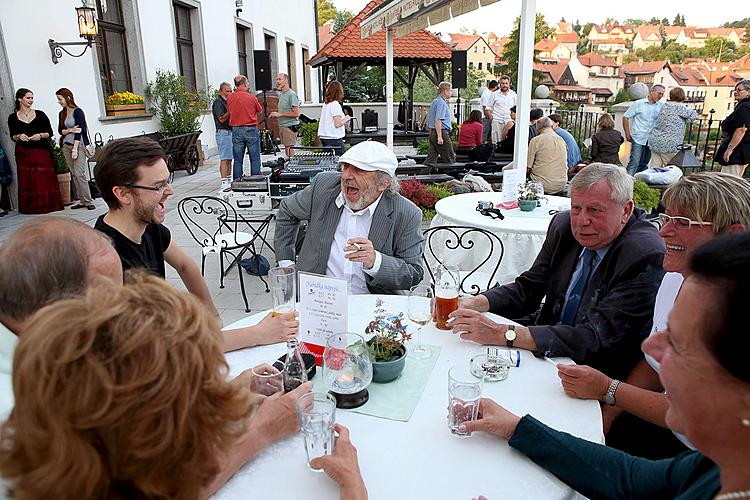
x=464, y=392
x=283, y=284
x=347, y=368
x=317, y=414
x=268, y=379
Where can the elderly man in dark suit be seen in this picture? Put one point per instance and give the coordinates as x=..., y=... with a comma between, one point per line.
x=358, y=227
x=599, y=269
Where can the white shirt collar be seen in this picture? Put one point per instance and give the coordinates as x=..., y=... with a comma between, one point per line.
x=341, y=202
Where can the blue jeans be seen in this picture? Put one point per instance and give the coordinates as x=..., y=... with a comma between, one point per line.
x=337, y=144
x=245, y=137
x=640, y=155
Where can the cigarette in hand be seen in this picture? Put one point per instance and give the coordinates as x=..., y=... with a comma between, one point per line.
x=357, y=246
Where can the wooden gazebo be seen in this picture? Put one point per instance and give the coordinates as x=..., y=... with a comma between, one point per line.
x=418, y=51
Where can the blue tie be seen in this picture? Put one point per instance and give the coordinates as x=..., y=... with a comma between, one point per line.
x=574, y=300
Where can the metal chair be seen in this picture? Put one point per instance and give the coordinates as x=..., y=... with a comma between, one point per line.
x=442, y=239
x=213, y=223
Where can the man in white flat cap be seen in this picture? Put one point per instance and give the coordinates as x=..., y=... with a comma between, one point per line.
x=358, y=227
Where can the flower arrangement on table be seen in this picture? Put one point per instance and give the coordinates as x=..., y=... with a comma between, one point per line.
x=389, y=334
x=528, y=191
x=123, y=98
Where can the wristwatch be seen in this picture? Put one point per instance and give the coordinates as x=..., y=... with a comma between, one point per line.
x=609, y=397
x=510, y=335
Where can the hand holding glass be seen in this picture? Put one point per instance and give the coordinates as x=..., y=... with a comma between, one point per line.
x=283, y=284
x=317, y=414
x=464, y=393
x=267, y=379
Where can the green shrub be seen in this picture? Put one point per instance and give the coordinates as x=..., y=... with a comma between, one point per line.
x=422, y=147
x=309, y=133
x=58, y=158
x=178, y=110
x=644, y=196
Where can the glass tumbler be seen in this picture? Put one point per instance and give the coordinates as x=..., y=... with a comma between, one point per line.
x=316, y=412
x=283, y=284
x=464, y=392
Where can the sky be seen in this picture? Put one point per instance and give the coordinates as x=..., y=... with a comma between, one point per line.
x=499, y=16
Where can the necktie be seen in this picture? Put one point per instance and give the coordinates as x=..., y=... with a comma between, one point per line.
x=574, y=301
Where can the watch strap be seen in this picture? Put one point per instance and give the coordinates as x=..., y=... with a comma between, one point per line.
x=609, y=397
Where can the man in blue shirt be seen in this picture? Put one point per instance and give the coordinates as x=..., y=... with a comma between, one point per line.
x=440, y=147
x=574, y=152
x=637, y=124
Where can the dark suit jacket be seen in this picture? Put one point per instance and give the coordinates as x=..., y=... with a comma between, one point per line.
x=395, y=232
x=616, y=309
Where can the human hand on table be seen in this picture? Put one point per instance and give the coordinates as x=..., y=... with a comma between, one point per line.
x=476, y=303
x=475, y=326
x=583, y=382
x=360, y=249
x=276, y=417
x=272, y=330
x=342, y=466
x=493, y=419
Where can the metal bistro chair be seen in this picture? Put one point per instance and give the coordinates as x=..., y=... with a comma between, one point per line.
x=212, y=222
x=440, y=240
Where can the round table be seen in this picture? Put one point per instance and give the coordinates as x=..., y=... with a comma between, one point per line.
x=522, y=233
x=421, y=458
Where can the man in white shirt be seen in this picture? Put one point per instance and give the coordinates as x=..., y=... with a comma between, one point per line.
x=47, y=259
x=358, y=227
x=486, y=102
x=502, y=100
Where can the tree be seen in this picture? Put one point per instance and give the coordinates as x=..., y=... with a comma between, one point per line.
x=746, y=36
x=737, y=24
x=342, y=19
x=679, y=20
x=365, y=86
x=510, y=51
x=663, y=34
x=653, y=21
x=664, y=21
x=634, y=21
x=717, y=46
x=326, y=11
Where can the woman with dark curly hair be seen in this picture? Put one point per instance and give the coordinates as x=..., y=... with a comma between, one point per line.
x=123, y=393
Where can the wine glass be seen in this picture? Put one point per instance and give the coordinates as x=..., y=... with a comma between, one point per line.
x=420, y=313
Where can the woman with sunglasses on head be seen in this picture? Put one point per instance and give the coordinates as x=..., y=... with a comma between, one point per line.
x=703, y=357
x=74, y=138
x=30, y=129
x=699, y=208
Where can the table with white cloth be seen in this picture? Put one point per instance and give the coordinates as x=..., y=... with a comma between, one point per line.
x=421, y=459
x=522, y=234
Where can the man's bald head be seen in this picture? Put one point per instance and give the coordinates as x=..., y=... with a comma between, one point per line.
x=50, y=258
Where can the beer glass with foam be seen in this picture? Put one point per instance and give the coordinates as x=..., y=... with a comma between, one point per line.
x=283, y=284
x=447, y=282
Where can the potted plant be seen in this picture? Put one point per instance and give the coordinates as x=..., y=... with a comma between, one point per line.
x=645, y=197
x=124, y=103
x=528, y=197
x=178, y=110
x=62, y=171
x=387, y=350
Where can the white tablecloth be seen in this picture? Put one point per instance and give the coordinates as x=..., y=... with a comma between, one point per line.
x=522, y=233
x=420, y=459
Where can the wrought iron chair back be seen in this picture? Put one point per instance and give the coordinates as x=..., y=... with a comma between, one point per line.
x=442, y=239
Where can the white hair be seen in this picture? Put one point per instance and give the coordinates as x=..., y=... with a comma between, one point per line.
x=617, y=177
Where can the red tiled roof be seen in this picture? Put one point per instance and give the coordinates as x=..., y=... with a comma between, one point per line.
x=348, y=44
x=724, y=79
x=555, y=70
x=610, y=41
x=461, y=41
x=643, y=67
x=601, y=91
x=545, y=45
x=690, y=77
x=567, y=37
x=741, y=64
x=571, y=88
x=594, y=59
x=608, y=29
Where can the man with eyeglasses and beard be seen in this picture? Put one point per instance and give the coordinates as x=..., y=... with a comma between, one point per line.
x=133, y=178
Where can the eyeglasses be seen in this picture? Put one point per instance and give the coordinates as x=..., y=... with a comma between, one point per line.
x=160, y=188
x=680, y=222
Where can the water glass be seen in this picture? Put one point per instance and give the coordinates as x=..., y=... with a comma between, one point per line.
x=283, y=284
x=464, y=392
x=268, y=379
x=447, y=283
x=316, y=412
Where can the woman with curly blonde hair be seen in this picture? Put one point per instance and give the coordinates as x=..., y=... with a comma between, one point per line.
x=123, y=393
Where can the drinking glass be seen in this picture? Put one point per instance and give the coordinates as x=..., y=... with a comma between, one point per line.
x=347, y=369
x=283, y=284
x=447, y=283
x=420, y=312
x=464, y=392
x=268, y=379
x=317, y=414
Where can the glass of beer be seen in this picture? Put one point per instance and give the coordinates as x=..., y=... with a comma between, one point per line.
x=447, y=282
x=283, y=284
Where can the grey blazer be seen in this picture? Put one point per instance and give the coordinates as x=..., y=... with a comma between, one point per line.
x=395, y=232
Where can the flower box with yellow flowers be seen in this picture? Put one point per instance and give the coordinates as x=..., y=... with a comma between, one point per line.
x=124, y=103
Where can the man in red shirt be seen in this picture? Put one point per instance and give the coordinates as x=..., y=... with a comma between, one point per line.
x=243, y=118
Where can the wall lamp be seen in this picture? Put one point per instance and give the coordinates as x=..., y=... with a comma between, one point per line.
x=86, y=29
